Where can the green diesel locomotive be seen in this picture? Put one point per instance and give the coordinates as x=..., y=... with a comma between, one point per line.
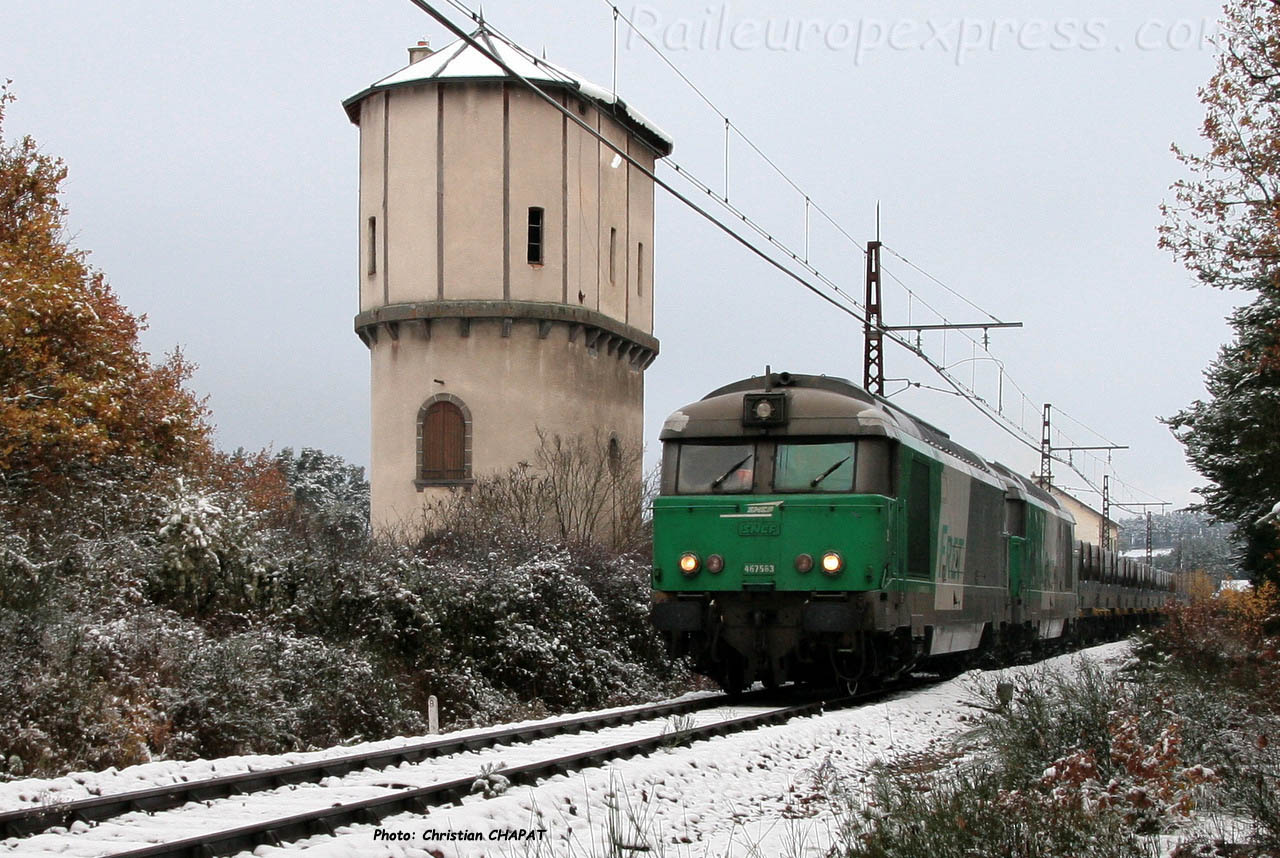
x=809, y=531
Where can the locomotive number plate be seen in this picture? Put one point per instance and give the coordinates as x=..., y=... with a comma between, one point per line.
x=758, y=569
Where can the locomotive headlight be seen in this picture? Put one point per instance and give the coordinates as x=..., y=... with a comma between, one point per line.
x=689, y=563
x=804, y=563
x=715, y=563
x=832, y=563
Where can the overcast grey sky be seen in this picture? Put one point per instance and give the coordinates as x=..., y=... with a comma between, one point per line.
x=1019, y=152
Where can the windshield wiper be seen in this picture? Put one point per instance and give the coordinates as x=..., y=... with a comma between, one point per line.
x=828, y=472
x=715, y=484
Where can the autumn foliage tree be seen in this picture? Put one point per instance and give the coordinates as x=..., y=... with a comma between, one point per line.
x=1224, y=225
x=79, y=398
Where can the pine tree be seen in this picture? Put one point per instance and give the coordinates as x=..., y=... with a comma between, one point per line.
x=1225, y=227
x=1232, y=437
x=79, y=398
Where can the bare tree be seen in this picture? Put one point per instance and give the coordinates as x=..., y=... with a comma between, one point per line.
x=595, y=487
x=578, y=490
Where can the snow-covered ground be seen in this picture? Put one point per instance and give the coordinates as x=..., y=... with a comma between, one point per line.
x=766, y=792
x=140, y=830
x=1141, y=553
x=31, y=792
x=750, y=794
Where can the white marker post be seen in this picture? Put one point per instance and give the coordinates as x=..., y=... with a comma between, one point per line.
x=433, y=715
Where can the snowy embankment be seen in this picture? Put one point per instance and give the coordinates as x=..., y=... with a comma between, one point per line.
x=773, y=791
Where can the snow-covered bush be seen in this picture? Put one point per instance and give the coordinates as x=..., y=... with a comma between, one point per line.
x=540, y=631
x=247, y=612
x=961, y=811
x=1093, y=742
x=1217, y=662
x=1231, y=637
x=498, y=637
x=211, y=553
x=25, y=578
x=1075, y=765
x=1086, y=762
x=329, y=494
x=80, y=689
x=268, y=691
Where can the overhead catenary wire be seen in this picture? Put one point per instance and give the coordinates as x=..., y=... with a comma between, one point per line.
x=617, y=150
x=995, y=415
x=659, y=182
x=908, y=262
x=1004, y=376
x=808, y=203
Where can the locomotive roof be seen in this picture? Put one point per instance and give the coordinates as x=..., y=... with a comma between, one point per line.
x=829, y=405
x=1025, y=489
x=819, y=405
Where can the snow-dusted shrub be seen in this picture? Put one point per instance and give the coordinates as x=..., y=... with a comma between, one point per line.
x=80, y=691
x=330, y=496
x=211, y=554
x=502, y=516
x=493, y=637
x=963, y=811
x=1078, y=763
x=25, y=577
x=245, y=610
x=266, y=691
x=1053, y=714
x=578, y=491
x=1094, y=741
x=1216, y=662
x=539, y=631
x=1231, y=637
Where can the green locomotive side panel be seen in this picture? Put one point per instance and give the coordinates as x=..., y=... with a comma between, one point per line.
x=916, y=539
x=1017, y=547
x=1035, y=568
x=760, y=536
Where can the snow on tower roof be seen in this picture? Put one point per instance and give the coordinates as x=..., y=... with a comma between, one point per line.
x=459, y=61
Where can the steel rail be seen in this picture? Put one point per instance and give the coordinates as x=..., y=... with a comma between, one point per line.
x=33, y=820
x=326, y=821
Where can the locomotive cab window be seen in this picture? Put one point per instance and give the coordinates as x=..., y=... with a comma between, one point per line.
x=818, y=467
x=875, y=467
x=715, y=468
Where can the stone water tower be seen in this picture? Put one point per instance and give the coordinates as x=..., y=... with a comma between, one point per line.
x=506, y=268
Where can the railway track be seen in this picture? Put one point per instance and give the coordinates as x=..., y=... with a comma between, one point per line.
x=646, y=730
x=27, y=821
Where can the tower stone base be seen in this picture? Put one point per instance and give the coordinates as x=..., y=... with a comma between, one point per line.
x=513, y=368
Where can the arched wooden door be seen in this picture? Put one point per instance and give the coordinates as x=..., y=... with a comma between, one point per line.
x=444, y=443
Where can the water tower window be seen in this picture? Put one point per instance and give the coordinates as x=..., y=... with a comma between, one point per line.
x=443, y=433
x=640, y=268
x=615, y=456
x=373, y=245
x=613, y=253
x=535, y=236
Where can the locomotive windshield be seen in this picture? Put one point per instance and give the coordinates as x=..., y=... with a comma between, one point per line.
x=825, y=467
x=715, y=468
